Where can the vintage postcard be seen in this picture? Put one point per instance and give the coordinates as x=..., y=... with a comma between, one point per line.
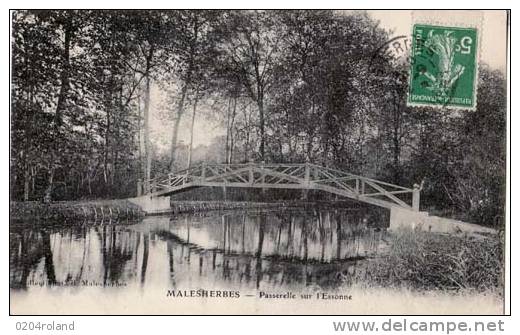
x=258, y=162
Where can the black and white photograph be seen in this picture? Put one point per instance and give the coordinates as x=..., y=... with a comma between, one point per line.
x=258, y=162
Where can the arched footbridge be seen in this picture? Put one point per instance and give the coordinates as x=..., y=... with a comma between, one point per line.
x=304, y=176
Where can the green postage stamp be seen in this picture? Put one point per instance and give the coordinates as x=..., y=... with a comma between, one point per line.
x=443, y=68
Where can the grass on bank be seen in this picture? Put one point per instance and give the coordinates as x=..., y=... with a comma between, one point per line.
x=421, y=260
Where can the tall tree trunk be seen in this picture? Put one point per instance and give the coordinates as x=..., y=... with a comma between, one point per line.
x=260, y=103
x=173, y=149
x=231, y=131
x=146, y=114
x=310, y=133
x=50, y=181
x=247, y=120
x=115, y=150
x=396, y=141
x=107, y=139
x=396, y=158
x=180, y=111
x=147, y=144
x=190, y=152
x=228, y=129
x=362, y=139
x=26, y=180
x=29, y=120
x=60, y=106
x=142, y=166
x=187, y=83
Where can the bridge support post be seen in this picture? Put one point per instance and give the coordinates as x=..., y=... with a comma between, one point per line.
x=416, y=196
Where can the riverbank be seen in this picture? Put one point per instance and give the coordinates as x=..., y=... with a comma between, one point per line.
x=424, y=261
x=100, y=210
x=59, y=211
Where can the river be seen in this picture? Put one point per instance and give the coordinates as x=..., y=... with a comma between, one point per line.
x=247, y=250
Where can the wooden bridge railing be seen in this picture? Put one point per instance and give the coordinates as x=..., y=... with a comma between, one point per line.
x=305, y=176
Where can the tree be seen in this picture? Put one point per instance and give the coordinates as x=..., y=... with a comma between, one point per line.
x=193, y=52
x=152, y=31
x=34, y=72
x=66, y=23
x=251, y=53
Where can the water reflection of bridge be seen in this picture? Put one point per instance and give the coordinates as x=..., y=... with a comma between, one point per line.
x=270, y=250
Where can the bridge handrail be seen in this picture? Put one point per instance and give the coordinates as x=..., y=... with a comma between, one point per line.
x=286, y=175
x=268, y=165
x=362, y=177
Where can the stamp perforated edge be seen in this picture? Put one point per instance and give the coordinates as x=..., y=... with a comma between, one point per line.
x=435, y=18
